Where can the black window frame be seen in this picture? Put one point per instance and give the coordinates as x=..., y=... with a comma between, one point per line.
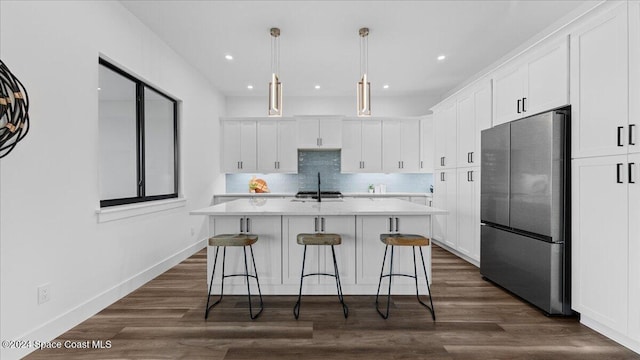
x=140, y=142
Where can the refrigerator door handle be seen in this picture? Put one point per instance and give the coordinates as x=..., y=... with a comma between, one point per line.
x=631, y=165
x=618, y=168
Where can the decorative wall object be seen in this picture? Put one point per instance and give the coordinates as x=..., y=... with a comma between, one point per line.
x=14, y=111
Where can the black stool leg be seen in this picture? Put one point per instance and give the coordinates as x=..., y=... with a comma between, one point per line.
x=215, y=260
x=296, y=307
x=255, y=269
x=385, y=316
x=246, y=272
x=424, y=267
x=345, y=309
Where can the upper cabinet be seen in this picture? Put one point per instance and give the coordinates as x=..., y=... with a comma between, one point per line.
x=427, y=147
x=277, y=146
x=319, y=132
x=444, y=123
x=239, y=146
x=361, y=145
x=401, y=145
x=601, y=85
x=539, y=82
x=474, y=115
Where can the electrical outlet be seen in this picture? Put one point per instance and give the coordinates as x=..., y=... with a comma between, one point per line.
x=44, y=293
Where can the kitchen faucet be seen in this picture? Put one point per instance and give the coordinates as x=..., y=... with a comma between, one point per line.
x=319, y=198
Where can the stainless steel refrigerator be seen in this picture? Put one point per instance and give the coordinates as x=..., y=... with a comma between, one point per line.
x=525, y=205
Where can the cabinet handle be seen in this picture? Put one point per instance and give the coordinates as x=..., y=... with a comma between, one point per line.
x=275, y=164
x=421, y=164
x=631, y=126
x=620, y=136
x=241, y=225
x=469, y=176
x=519, y=106
x=441, y=176
x=398, y=164
x=524, y=104
x=315, y=224
x=320, y=141
x=241, y=164
x=442, y=161
x=322, y=224
x=248, y=225
x=401, y=164
x=238, y=164
x=631, y=165
x=397, y=224
x=618, y=168
x=390, y=224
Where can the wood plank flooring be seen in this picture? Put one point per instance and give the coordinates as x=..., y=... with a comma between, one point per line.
x=475, y=320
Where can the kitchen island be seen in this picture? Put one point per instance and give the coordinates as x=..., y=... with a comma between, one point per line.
x=279, y=258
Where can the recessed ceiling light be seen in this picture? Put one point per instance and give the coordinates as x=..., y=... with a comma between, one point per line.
x=228, y=57
x=386, y=86
x=99, y=89
x=317, y=87
x=250, y=87
x=441, y=57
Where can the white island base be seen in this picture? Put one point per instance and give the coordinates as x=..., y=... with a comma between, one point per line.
x=279, y=258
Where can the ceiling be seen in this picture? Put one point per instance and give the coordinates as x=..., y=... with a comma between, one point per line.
x=319, y=42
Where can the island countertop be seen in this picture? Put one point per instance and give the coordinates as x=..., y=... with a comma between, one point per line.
x=348, y=206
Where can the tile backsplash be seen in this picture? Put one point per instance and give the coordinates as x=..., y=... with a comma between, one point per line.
x=327, y=162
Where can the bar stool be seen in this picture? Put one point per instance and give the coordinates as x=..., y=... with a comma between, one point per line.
x=225, y=240
x=320, y=239
x=404, y=240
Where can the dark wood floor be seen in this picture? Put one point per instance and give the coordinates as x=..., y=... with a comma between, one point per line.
x=475, y=320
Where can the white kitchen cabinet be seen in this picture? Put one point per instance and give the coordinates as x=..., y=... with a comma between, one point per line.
x=401, y=145
x=319, y=132
x=538, y=82
x=370, y=250
x=600, y=246
x=445, y=130
x=277, y=146
x=318, y=258
x=474, y=115
x=266, y=249
x=444, y=197
x=361, y=146
x=239, y=146
x=599, y=85
x=468, y=211
x=427, y=146
x=633, y=128
x=634, y=243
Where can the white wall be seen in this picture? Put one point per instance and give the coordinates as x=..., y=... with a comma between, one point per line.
x=49, y=190
x=413, y=105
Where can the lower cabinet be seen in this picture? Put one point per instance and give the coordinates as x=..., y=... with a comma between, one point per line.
x=444, y=197
x=267, y=249
x=371, y=249
x=468, y=212
x=318, y=258
x=605, y=241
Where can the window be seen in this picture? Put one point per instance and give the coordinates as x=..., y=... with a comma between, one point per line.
x=138, y=129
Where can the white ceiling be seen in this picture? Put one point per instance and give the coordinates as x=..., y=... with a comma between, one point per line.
x=320, y=43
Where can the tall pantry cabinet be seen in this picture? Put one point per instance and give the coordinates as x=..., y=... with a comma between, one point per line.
x=458, y=123
x=605, y=99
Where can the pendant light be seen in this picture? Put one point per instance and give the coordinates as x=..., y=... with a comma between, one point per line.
x=275, y=86
x=364, y=87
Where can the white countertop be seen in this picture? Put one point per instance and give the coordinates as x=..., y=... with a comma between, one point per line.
x=347, y=194
x=348, y=206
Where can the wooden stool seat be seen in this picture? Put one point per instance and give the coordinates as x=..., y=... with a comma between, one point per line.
x=233, y=240
x=319, y=239
x=404, y=240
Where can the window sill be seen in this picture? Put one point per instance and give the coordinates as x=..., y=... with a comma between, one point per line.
x=127, y=211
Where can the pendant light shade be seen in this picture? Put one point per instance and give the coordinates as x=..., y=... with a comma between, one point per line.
x=275, y=86
x=364, y=87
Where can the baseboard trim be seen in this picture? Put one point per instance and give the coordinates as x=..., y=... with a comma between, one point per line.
x=457, y=253
x=63, y=322
x=621, y=339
